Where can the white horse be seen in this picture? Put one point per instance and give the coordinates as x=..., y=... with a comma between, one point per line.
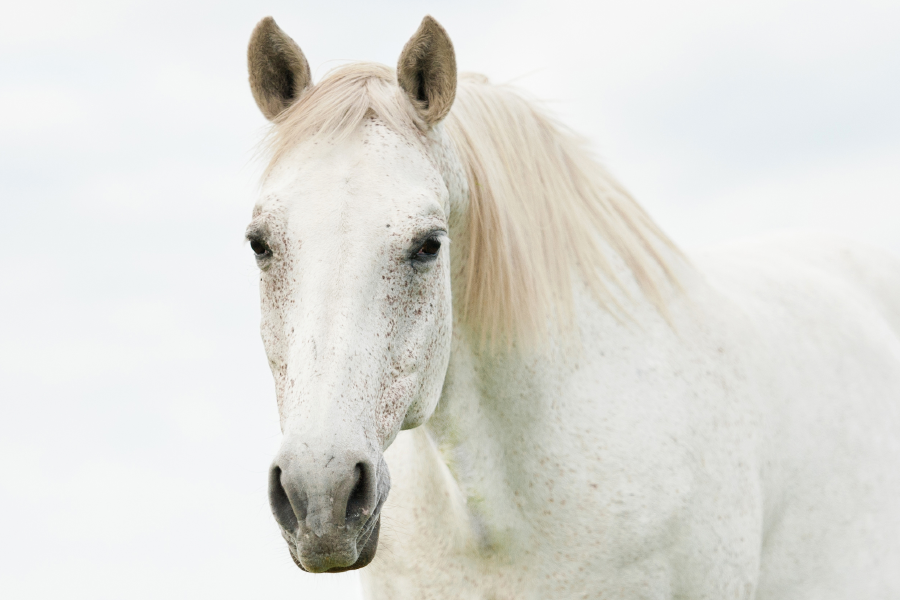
x=591, y=414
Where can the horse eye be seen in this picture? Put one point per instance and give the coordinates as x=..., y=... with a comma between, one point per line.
x=258, y=247
x=429, y=248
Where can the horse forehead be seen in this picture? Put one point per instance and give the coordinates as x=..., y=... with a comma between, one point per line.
x=372, y=166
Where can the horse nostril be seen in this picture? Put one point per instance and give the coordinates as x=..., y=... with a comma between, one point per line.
x=358, y=504
x=280, y=503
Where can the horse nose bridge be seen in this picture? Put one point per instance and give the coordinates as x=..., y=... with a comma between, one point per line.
x=338, y=312
x=338, y=321
x=338, y=367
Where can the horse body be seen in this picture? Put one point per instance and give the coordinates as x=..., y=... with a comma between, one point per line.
x=652, y=427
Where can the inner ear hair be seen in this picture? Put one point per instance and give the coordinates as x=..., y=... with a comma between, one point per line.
x=279, y=72
x=426, y=71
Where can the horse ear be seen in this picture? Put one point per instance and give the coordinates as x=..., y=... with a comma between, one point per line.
x=427, y=71
x=279, y=72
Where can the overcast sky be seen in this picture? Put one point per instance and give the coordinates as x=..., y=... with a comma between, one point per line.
x=137, y=414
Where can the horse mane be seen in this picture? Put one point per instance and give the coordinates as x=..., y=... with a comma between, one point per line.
x=539, y=208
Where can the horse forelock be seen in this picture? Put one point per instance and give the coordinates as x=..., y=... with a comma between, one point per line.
x=336, y=106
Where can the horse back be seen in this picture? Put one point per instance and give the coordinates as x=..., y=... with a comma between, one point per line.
x=869, y=273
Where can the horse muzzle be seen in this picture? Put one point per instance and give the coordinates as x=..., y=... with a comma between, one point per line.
x=328, y=504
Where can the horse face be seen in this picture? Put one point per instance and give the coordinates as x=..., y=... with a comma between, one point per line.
x=351, y=240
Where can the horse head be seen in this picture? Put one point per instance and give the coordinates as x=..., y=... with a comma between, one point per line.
x=350, y=234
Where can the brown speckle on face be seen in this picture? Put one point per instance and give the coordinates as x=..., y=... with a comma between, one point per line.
x=355, y=323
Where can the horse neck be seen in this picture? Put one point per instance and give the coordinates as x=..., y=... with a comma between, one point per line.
x=502, y=414
x=491, y=425
x=481, y=428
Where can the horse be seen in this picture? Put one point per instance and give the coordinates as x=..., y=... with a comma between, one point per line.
x=495, y=370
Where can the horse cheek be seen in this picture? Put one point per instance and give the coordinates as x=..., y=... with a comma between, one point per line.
x=432, y=354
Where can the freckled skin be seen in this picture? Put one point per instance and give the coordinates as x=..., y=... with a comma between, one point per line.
x=657, y=461
x=407, y=318
x=343, y=222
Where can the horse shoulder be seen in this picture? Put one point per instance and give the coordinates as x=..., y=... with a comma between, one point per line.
x=821, y=330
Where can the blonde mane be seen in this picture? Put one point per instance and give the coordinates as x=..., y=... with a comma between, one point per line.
x=540, y=207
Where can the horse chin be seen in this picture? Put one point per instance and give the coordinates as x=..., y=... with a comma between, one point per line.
x=366, y=553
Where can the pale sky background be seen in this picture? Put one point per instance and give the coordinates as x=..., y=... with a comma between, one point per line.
x=137, y=413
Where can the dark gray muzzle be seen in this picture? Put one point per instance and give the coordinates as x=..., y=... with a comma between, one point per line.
x=328, y=505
